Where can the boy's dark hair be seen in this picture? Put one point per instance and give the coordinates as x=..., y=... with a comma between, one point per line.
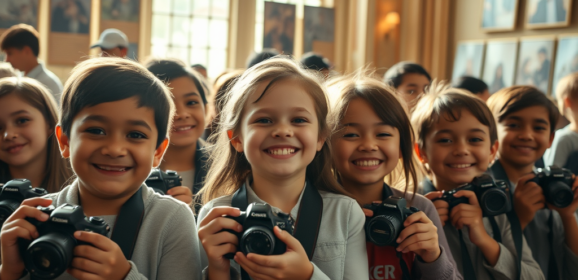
x=448, y=103
x=256, y=58
x=315, y=61
x=168, y=69
x=513, y=99
x=20, y=36
x=108, y=79
x=471, y=84
x=199, y=66
x=394, y=76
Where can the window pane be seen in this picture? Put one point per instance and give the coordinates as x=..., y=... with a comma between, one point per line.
x=159, y=50
x=200, y=32
x=219, y=33
x=260, y=8
x=258, y=37
x=220, y=8
x=180, y=34
x=201, y=8
x=178, y=52
x=199, y=56
x=181, y=7
x=162, y=6
x=160, y=30
x=217, y=62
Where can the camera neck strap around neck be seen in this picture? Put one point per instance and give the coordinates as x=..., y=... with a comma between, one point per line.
x=387, y=192
x=307, y=220
x=128, y=223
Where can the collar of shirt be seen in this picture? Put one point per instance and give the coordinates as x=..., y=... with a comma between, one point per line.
x=252, y=197
x=36, y=71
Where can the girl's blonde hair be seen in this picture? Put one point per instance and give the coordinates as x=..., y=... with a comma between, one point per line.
x=229, y=168
x=58, y=169
x=389, y=108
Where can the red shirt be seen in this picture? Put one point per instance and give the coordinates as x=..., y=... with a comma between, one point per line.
x=384, y=263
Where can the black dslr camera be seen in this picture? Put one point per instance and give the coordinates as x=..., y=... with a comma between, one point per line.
x=493, y=196
x=387, y=222
x=161, y=181
x=49, y=255
x=13, y=193
x=257, y=236
x=556, y=185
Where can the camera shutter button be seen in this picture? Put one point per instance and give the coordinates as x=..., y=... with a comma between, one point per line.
x=171, y=173
x=96, y=221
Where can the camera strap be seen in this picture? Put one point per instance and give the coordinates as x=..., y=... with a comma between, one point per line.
x=307, y=220
x=128, y=222
x=405, y=270
x=467, y=265
x=499, y=173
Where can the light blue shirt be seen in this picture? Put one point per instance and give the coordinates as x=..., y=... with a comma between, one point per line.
x=48, y=79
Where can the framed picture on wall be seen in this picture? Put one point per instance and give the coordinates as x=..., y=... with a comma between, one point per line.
x=279, y=27
x=468, y=60
x=500, y=63
x=535, y=62
x=70, y=16
x=499, y=15
x=566, y=59
x=548, y=13
x=319, y=31
x=13, y=12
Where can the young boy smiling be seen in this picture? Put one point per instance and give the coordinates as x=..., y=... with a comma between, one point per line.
x=526, y=123
x=115, y=118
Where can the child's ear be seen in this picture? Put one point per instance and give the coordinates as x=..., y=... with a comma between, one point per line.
x=63, y=142
x=235, y=141
x=320, y=143
x=420, y=153
x=160, y=152
x=494, y=151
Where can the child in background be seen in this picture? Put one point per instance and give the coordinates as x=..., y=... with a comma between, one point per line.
x=186, y=153
x=457, y=140
x=410, y=80
x=369, y=142
x=272, y=148
x=29, y=149
x=114, y=124
x=564, y=150
x=526, y=119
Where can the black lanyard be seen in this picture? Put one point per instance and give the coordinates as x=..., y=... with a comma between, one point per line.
x=312, y=207
x=405, y=270
x=127, y=224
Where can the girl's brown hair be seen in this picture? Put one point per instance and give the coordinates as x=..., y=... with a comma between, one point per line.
x=229, y=168
x=387, y=106
x=58, y=169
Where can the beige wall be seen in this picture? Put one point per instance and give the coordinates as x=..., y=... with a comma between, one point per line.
x=467, y=18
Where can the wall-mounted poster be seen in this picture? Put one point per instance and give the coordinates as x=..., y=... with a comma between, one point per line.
x=535, y=62
x=124, y=16
x=70, y=16
x=548, y=13
x=468, y=60
x=279, y=27
x=499, y=15
x=319, y=31
x=13, y=12
x=566, y=59
x=500, y=64
x=68, y=41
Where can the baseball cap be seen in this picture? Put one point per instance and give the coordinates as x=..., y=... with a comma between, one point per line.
x=110, y=39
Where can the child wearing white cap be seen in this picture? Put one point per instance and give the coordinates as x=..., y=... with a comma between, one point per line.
x=112, y=42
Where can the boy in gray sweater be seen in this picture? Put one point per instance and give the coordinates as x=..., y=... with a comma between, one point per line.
x=114, y=124
x=457, y=140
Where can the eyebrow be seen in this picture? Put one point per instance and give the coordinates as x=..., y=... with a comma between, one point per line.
x=451, y=131
x=358, y=124
x=99, y=118
x=269, y=110
x=538, y=120
x=19, y=112
x=191, y=94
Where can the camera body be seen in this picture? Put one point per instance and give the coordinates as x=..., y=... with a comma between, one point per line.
x=556, y=184
x=493, y=195
x=13, y=193
x=162, y=181
x=384, y=227
x=49, y=255
x=257, y=235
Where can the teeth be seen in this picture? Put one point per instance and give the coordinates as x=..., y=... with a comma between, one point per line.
x=461, y=165
x=366, y=162
x=109, y=168
x=282, y=151
x=183, y=128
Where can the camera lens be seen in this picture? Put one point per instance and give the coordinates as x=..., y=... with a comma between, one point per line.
x=559, y=194
x=7, y=207
x=383, y=230
x=494, y=202
x=49, y=256
x=258, y=240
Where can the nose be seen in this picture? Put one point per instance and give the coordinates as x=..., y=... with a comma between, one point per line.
x=114, y=147
x=181, y=113
x=9, y=133
x=461, y=149
x=367, y=145
x=526, y=134
x=282, y=130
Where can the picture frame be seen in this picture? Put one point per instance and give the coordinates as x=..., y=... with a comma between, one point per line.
x=535, y=61
x=566, y=58
x=548, y=13
x=13, y=12
x=468, y=60
x=500, y=63
x=499, y=15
